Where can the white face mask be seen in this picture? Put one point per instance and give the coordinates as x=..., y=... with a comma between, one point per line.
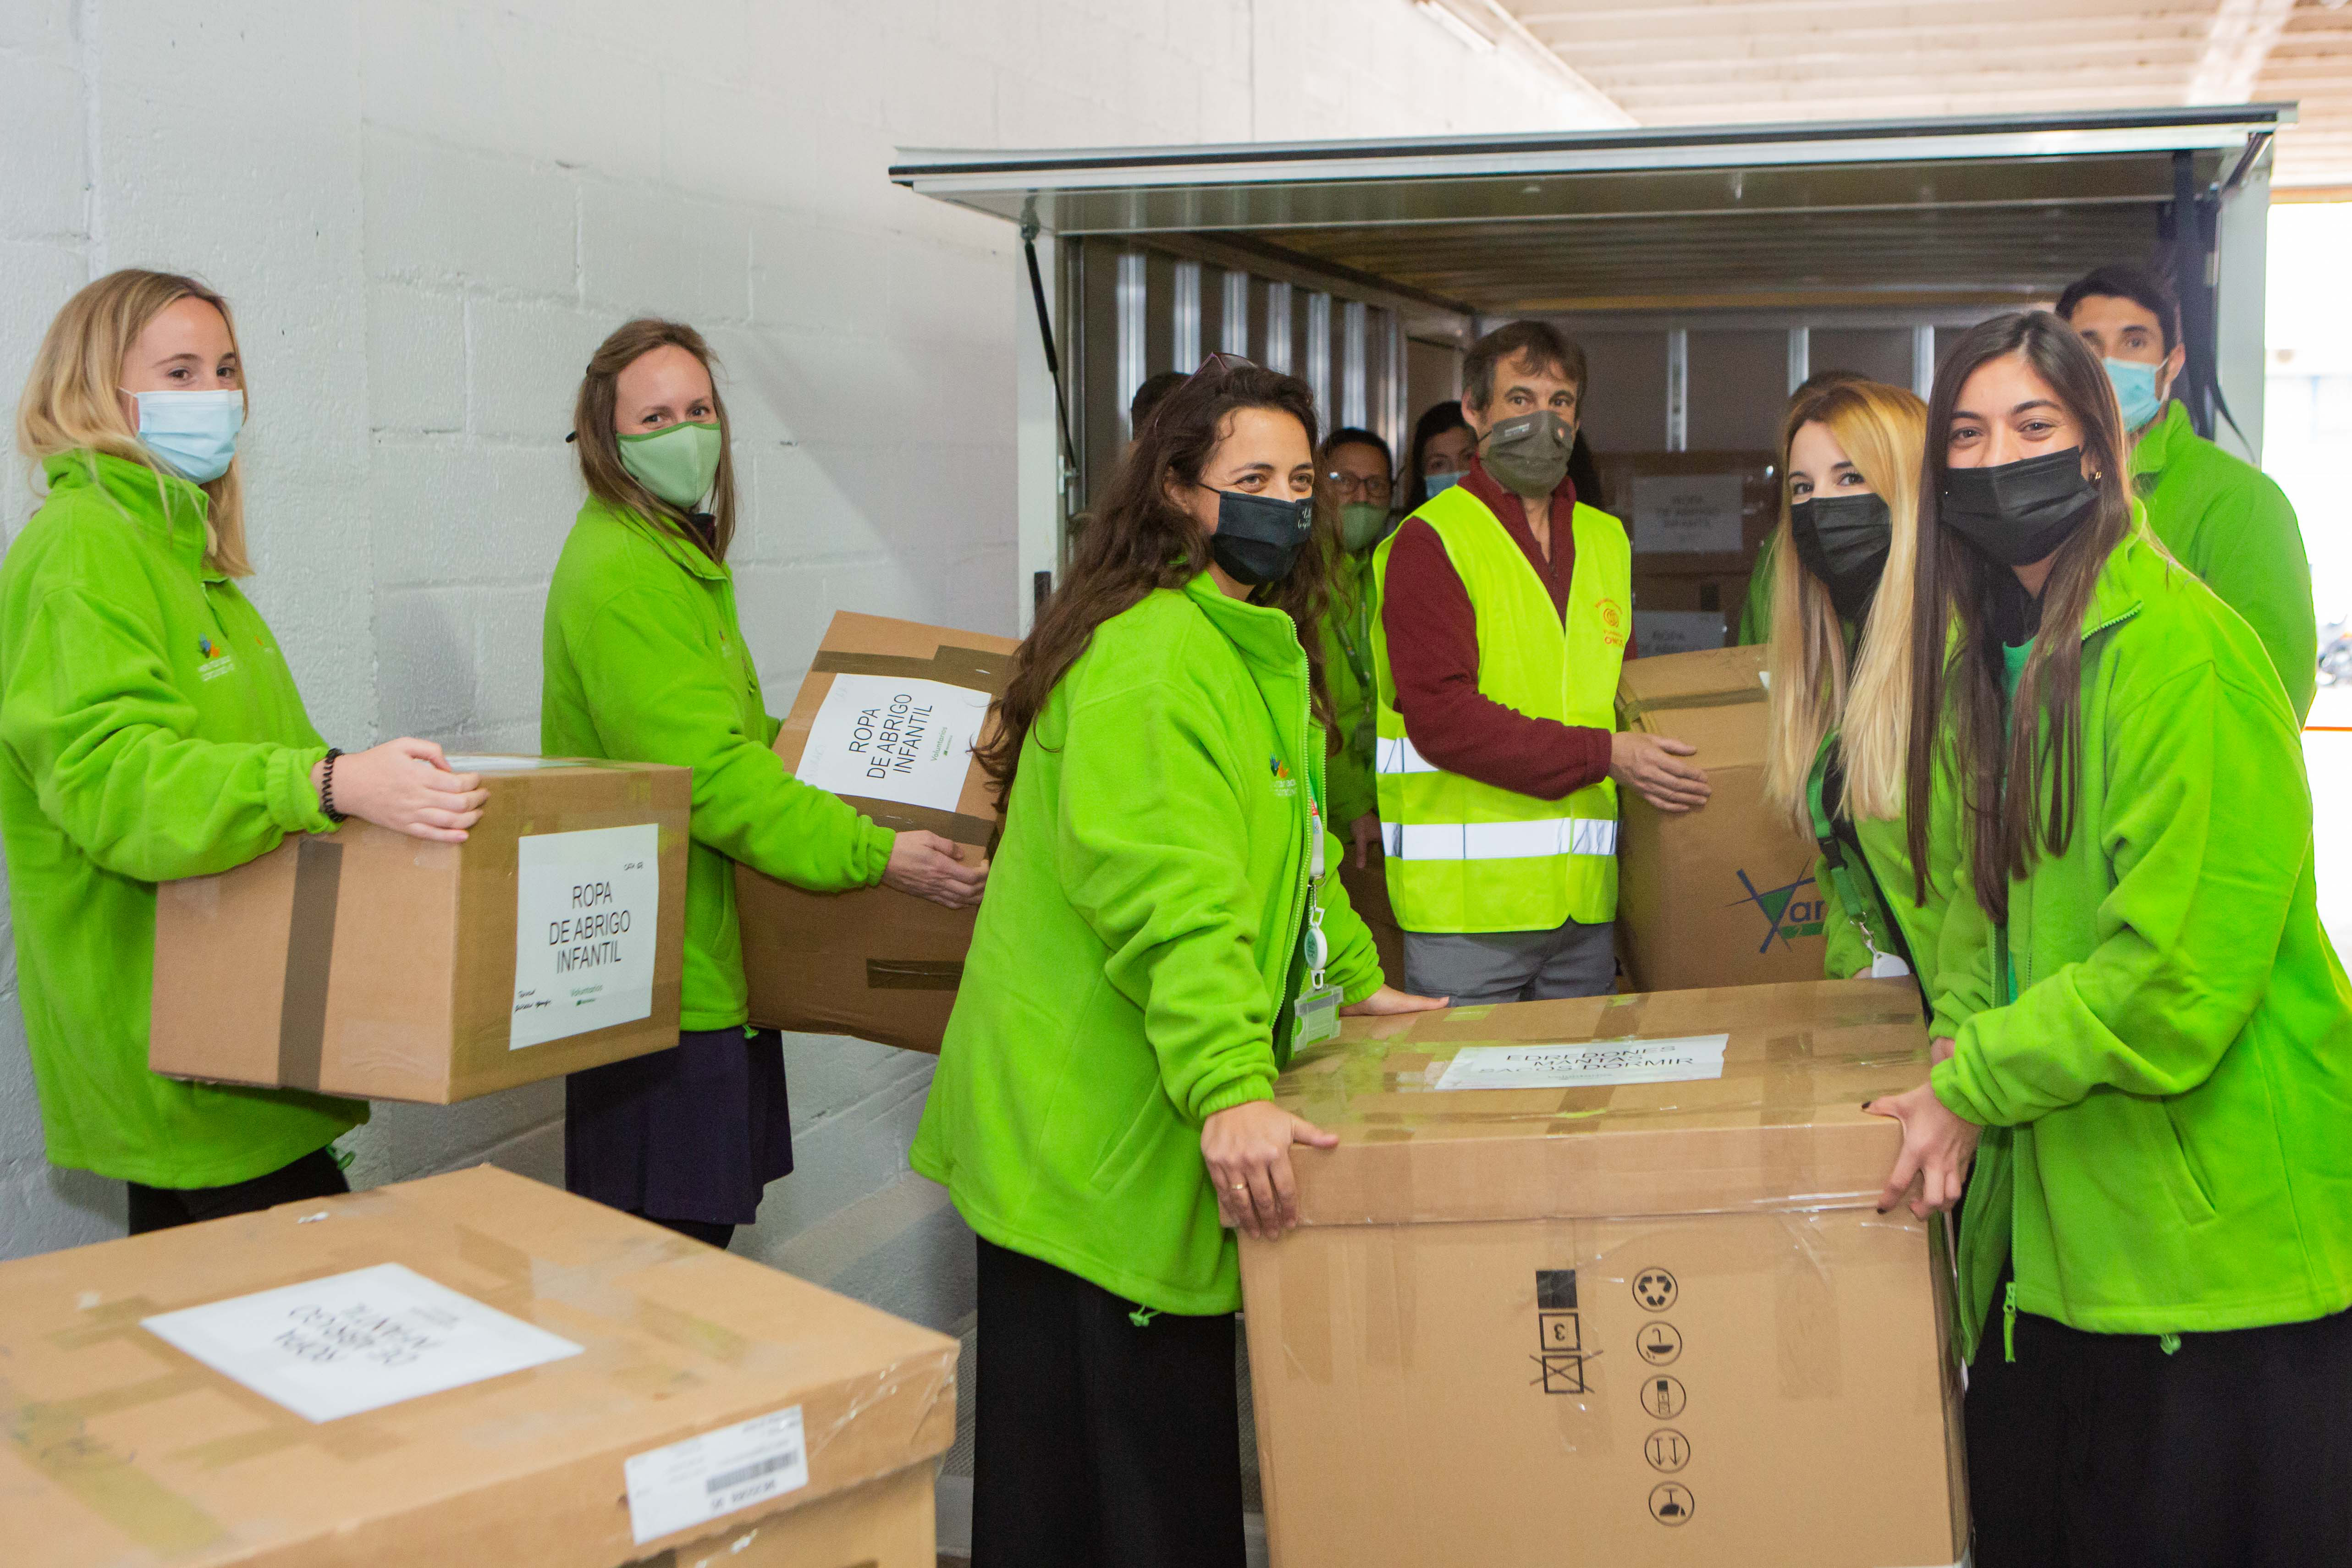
x=194, y=432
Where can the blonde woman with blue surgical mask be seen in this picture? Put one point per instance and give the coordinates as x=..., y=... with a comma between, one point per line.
x=149, y=729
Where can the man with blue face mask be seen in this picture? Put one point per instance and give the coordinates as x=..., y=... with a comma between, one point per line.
x=2222, y=518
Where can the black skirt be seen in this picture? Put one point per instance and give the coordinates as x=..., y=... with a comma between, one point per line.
x=697, y=1132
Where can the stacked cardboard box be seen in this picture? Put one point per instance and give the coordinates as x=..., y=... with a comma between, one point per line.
x=886, y=719
x=1722, y=895
x=1602, y=1281
x=1697, y=520
x=368, y=963
x=471, y=1368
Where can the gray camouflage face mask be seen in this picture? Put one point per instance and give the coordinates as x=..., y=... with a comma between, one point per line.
x=1528, y=455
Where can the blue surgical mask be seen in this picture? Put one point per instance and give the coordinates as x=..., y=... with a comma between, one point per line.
x=194, y=432
x=2135, y=392
x=1434, y=483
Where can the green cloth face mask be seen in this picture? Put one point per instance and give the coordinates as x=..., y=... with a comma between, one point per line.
x=676, y=462
x=1361, y=525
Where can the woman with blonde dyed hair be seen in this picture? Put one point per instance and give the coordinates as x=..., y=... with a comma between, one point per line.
x=149, y=730
x=1840, y=666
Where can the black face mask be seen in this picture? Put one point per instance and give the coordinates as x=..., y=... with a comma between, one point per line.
x=1258, y=537
x=1844, y=541
x=2019, y=513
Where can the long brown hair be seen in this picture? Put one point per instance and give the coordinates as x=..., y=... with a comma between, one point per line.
x=600, y=445
x=1138, y=540
x=1815, y=686
x=2005, y=776
x=71, y=403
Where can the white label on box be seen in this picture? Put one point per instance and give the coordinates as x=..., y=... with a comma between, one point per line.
x=1659, y=631
x=1687, y=514
x=349, y=1343
x=587, y=916
x=908, y=741
x=1600, y=1063
x=692, y=1482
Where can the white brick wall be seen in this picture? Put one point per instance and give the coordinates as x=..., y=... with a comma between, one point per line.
x=428, y=212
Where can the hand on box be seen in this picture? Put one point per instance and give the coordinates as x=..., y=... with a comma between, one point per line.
x=1248, y=1150
x=1937, y=1147
x=1653, y=765
x=405, y=785
x=1366, y=833
x=1388, y=999
x=930, y=866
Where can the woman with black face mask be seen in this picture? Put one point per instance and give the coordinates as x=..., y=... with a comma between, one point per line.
x=2142, y=1034
x=1840, y=657
x=1162, y=930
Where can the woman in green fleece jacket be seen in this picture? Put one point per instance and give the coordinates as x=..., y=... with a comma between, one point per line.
x=1162, y=919
x=149, y=730
x=2142, y=1035
x=643, y=660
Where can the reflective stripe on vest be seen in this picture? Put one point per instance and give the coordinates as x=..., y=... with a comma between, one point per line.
x=1465, y=856
x=1544, y=838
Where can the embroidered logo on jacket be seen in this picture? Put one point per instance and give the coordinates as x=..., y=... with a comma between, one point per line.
x=1285, y=785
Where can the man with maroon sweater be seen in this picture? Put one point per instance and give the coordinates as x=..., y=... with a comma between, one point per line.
x=1504, y=620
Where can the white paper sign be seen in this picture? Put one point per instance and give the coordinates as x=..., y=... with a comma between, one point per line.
x=587, y=914
x=1600, y=1063
x=333, y=1347
x=1687, y=514
x=1659, y=631
x=691, y=1482
x=909, y=741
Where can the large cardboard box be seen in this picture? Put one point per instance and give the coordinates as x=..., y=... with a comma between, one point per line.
x=1693, y=511
x=471, y=1368
x=885, y=719
x=368, y=963
x=1624, y=1299
x=1722, y=895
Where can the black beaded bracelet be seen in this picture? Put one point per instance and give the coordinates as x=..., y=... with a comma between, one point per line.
x=326, y=789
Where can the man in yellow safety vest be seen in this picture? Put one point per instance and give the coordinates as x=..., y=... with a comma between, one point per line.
x=1505, y=615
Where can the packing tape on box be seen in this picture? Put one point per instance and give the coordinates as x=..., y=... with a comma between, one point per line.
x=1635, y=709
x=310, y=962
x=913, y=974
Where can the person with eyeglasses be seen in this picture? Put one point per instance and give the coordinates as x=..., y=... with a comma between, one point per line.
x=1356, y=494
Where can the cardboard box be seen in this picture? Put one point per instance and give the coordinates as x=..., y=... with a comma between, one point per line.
x=368, y=963
x=1695, y=511
x=817, y=1419
x=1686, y=612
x=1633, y=1315
x=885, y=719
x=1722, y=895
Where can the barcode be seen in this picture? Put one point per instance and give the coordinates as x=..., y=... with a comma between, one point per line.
x=735, y=1478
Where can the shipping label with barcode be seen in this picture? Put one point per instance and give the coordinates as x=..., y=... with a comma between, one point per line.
x=690, y=1483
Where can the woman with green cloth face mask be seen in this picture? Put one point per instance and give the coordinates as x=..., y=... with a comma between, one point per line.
x=149, y=730
x=645, y=660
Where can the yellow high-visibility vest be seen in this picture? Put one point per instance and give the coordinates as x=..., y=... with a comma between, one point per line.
x=1465, y=856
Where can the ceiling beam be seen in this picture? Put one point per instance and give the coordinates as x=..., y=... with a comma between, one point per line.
x=2243, y=34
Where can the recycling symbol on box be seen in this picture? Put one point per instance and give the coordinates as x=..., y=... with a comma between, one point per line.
x=1655, y=1289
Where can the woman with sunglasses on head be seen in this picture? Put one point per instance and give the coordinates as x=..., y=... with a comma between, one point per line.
x=2142, y=1034
x=1840, y=574
x=645, y=660
x=149, y=730
x=1162, y=932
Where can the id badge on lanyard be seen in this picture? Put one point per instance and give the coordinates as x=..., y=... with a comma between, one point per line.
x=1316, y=1013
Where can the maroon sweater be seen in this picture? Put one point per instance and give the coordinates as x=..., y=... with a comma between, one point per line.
x=1432, y=636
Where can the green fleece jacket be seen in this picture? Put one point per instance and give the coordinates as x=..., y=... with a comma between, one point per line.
x=1348, y=672
x=2168, y=1097
x=149, y=730
x=2230, y=523
x=1134, y=960
x=643, y=661
x=1882, y=886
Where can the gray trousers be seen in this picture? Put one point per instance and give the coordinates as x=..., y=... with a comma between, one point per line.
x=1576, y=960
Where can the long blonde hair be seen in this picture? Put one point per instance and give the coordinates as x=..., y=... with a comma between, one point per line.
x=1881, y=429
x=71, y=402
